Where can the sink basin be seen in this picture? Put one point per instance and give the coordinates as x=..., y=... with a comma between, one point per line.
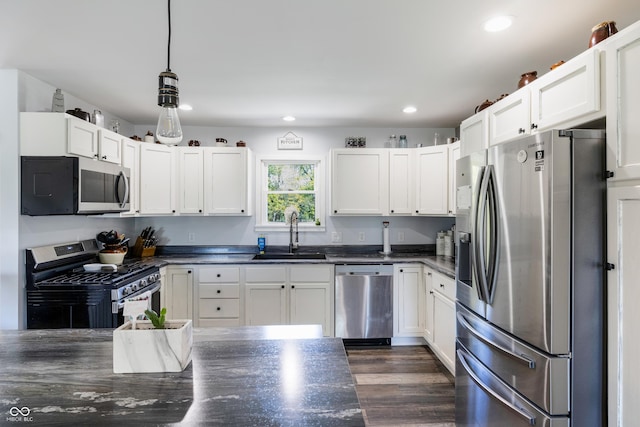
x=286, y=255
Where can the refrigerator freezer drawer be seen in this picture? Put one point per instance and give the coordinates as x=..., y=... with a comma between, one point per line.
x=540, y=378
x=482, y=399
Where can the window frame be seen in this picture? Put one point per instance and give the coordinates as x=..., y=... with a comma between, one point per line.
x=262, y=192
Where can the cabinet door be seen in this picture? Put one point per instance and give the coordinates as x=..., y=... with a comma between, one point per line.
x=82, y=138
x=623, y=104
x=427, y=278
x=454, y=155
x=179, y=289
x=474, y=133
x=568, y=92
x=623, y=235
x=432, y=191
x=266, y=304
x=226, y=181
x=444, y=329
x=401, y=178
x=131, y=160
x=310, y=304
x=190, y=180
x=410, y=302
x=157, y=179
x=360, y=182
x=109, y=146
x=509, y=118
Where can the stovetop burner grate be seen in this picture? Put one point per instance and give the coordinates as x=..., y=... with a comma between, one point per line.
x=82, y=277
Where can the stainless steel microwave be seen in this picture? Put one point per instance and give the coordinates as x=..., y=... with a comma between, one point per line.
x=72, y=185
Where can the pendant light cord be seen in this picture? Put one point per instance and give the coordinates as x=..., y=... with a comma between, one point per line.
x=169, y=38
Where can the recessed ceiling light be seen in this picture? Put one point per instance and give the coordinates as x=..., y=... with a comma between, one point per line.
x=409, y=110
x=185, y=107
x=288, y=118
x=498, y=23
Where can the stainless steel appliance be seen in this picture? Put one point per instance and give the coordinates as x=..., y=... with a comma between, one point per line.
x=364, y=304
x=72, y=185
x=530, y=282
x=61, y=294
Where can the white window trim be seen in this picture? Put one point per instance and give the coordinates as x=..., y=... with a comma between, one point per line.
x=261, y=192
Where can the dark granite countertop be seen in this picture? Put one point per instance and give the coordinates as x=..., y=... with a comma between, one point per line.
x=196, y=255
x=246, y=376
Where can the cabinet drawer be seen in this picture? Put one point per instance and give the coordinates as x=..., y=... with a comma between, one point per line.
x=220, y=274
x=315, y=274
x=445, y=285
x=219, y=308
x=207, y=290
x=266, y=274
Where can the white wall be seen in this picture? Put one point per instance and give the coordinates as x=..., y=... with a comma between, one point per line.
x=316, y=142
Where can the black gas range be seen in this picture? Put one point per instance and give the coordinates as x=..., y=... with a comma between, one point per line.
x=61, y=293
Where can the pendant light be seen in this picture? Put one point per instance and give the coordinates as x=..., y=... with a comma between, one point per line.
x=168, y=131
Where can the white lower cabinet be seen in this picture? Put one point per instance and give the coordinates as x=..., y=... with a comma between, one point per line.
x=290, y=295
x=408, y=301
x=177, y=292
x=219, y=296
x=623, y=234
x=440, y=321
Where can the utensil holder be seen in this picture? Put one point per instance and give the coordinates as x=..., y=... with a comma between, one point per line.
x=140, y=251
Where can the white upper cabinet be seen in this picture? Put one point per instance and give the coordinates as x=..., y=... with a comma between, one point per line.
x=432, y=190
x=82, y=138
x=567, y=93
x=401, y=181
x=109, y=146
x=509, y=118
x=360, y=181
x=474, y=133
x=190, y=180
x=226, y=181
x=131, y=160
x=157, y=180
x=623, y=103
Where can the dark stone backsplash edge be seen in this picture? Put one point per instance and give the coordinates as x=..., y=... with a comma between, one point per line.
x=428, y=249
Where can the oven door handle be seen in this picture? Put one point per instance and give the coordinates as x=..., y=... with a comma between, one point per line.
x=153, y=290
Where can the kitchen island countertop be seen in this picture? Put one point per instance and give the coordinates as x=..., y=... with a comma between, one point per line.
x=281, y=375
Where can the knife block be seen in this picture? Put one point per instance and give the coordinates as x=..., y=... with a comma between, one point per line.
x=139, y=251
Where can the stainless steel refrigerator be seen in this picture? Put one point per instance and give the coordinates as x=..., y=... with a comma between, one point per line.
x=530, y=282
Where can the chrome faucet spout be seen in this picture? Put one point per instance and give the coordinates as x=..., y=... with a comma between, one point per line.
x=293, y=243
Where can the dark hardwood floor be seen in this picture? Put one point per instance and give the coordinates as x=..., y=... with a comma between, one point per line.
x=402, y=386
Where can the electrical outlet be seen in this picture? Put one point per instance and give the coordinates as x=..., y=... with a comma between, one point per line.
x=192, y=237
x=400, y=236
x=336, y=237
x=361, y=236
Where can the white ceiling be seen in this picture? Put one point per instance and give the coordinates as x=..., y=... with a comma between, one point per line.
x=327, y=62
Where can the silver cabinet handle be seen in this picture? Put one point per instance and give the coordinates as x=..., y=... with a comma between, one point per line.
x=520, y=357
x=462, y=356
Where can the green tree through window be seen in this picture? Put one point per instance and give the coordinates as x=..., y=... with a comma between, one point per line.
x=291, y=184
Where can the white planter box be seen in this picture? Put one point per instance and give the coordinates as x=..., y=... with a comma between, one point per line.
x=146, y=349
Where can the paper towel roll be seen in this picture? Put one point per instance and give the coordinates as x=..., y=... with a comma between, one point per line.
x=386, y=246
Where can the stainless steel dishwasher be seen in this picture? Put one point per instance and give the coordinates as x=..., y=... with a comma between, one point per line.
x=364, y=304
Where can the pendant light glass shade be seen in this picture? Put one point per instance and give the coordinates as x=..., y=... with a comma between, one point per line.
x=168, y=131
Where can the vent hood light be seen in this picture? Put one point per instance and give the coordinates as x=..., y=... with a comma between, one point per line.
x=498, y=23
x=409, y=110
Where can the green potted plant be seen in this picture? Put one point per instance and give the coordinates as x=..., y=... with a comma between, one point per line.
x=154, y=345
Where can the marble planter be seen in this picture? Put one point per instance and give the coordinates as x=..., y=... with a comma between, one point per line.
x=146, y=349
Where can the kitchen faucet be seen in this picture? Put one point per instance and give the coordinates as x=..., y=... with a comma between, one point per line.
x=293, y=244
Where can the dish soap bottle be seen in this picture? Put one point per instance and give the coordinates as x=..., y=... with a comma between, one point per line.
x=261, y=243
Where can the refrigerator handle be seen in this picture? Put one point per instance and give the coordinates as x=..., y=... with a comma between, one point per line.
x=494, y=234
x=521, y=357
x=480, y=233
x=462, y=357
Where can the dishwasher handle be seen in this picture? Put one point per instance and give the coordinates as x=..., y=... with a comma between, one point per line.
x=364, y=273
